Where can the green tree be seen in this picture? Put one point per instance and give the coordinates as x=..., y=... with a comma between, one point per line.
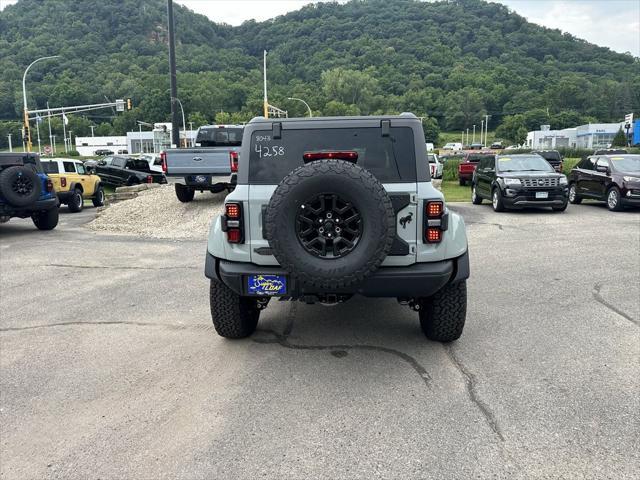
x=620, y=140
x=198, y=119
x=513, y=129
x=349, y=87
x=431, y=129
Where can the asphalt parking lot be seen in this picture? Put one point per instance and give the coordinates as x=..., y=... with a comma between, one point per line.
x=110, y=367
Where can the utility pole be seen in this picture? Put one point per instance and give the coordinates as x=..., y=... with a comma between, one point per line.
x=38, y=133
x=481, y=130
x=264, y=77
x=463, y=138
x=486, y=129
x=92, y=127
x=70, y=144
x=175, y=128
x=53, y=146
x=10, y=146
x=473, y=139
x=467, y=138
x=191, y=130
x=64, y=131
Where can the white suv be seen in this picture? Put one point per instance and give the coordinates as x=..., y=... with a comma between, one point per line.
x=326, y=208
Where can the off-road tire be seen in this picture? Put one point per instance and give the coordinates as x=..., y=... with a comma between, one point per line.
x=462, y=182
x=357, y=186
x=575, y=198
x=76, y=201
x=475, y=198
x=618, y=207
x=442, y=316
x=46, y=220
x=184, y=193
x=497, y=203
x=233, y=316
x=11, y=190
x=98, y=197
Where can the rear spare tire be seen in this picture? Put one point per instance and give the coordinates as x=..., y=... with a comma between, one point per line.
x=20, y=186
x=46, y=220
x=330, y=224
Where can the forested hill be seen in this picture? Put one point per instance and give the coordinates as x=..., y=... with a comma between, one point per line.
x=451, y=60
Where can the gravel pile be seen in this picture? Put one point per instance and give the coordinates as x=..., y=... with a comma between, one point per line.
x=157, y=213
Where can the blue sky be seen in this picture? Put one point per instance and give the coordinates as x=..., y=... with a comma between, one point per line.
x=610, y=23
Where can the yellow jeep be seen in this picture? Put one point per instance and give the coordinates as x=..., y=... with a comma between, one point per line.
x=73, y=183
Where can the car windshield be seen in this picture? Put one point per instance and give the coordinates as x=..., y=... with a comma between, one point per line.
x=626, y=163
x=523, y=163
x=219, y=137
x=50, y=167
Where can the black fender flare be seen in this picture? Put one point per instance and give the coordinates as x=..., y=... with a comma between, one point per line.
x=74, y=185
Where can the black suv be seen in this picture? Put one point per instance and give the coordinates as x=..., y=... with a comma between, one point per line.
x=517, y=181
x=553, y=157
x=611, y=178
x=26, y=191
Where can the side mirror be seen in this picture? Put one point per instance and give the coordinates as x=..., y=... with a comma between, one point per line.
x=102, y=163
x=602, y=168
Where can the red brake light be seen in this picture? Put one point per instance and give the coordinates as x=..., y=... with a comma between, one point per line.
x=149, y=179
x=49, y=185
x=63, y=181
x=163, y=161
x=340, y=155
x=232, y=210
x=234, y=235
x=433, y=234
x=233, y=161
x=434, y=209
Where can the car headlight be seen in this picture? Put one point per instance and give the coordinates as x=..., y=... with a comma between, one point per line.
x=631, y=179
x=512, y=181
x=563, y=180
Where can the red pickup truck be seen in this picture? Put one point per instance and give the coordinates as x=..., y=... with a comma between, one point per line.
x=468, y=164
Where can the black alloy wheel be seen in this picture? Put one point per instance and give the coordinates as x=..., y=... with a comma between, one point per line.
x=328, y=226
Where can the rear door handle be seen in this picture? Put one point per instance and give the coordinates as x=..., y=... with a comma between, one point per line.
x=197, y=159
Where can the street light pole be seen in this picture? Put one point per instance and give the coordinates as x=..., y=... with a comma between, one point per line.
x=184, y=126
x=481, y=130
x=305, y=104
x=473, y=138
x=10, y=146
x=24, y=99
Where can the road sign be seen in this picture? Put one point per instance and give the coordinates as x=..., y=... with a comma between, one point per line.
x=120, y=105
x=628, y=118
x=47, y=149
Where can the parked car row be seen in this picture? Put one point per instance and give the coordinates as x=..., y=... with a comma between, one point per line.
x=528, y=180
x=119, y=171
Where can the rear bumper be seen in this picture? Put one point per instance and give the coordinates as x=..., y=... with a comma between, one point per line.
x=204, y=182
x=24, y=212
x=465, y=175
x=417, y=280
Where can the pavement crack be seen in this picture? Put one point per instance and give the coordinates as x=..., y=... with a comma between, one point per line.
x=282, y=339
x=140, y=324
x=470, y=381
x=598, y=297
x=115, y=267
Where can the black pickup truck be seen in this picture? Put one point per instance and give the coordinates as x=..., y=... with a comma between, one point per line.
x=124, y=171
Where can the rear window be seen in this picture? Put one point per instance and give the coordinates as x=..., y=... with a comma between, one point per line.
x=50, y=167
x=391, y=159
x=219, y=137
x=549, y=155
x=477, y=158
x=137, y=165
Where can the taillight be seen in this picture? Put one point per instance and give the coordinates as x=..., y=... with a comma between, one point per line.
x=232, y=222
x=149, y=179
x=435, y=221
x=163, y=161
x=63, y=181
x=350, y=155
x=232, y=210
x=49, y=185
x=233, y=161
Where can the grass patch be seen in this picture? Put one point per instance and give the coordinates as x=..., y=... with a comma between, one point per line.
x=454, y=192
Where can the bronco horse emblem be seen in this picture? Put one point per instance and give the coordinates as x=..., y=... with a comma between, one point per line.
x=405, y=220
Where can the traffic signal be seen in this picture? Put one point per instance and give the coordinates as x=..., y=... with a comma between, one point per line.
x=129, y=104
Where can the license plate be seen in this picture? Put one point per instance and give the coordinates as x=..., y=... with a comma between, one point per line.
x=200, y=179
x=542, y=194
x=267, y=284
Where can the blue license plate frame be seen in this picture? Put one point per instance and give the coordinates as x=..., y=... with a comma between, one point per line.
x=267, y=285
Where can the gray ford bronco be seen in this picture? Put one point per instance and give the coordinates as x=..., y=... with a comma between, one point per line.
x=326, y=208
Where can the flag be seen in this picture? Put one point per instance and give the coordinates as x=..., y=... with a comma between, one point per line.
x=65, y=119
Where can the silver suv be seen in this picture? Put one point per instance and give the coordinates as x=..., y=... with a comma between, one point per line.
x=326, y=208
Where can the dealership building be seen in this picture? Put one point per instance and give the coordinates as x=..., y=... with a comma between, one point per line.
x=592, y=135
x=154, y=141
